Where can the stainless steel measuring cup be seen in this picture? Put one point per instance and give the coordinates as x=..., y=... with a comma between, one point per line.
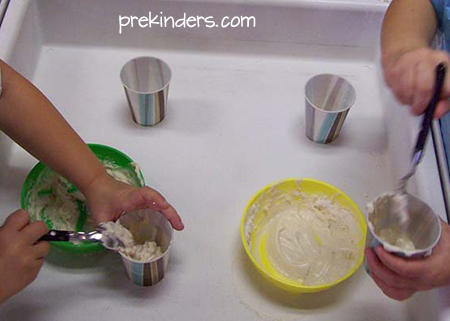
x=328, y=101
x=423, y=230
x=146, y=84
x=147, y=225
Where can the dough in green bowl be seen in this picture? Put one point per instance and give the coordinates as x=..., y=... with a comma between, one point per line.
x=50, y=198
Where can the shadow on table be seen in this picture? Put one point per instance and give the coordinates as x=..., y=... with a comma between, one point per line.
x=363, y=134
x=73, y=261
x=187, y=116
x=57, y=300
x=23, y=311
x=114, y=279
x=108, y=267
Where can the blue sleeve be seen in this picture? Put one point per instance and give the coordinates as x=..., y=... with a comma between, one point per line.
x=439, y=7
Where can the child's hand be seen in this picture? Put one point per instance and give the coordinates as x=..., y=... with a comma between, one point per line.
x=411, y=76
x=21, y=257
x=400, y=278
x=108, y=199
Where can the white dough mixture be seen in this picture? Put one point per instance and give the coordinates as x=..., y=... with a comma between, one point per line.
x=398, y=240
x=55, y=199
x=139, y=252
x=400, y=206
x=310, y=238
x=394, y=238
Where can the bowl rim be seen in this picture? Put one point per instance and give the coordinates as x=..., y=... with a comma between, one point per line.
x=294, y=285
x=68, y=246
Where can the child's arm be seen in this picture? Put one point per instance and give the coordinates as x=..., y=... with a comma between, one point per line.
x=407, y=25
x=32, y=121
x=408, y=61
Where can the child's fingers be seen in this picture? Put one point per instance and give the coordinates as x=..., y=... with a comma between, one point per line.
x=445, y=92
x=41, y=250
x=155, y=201
x=424, y=86
x=37, y=264
x=171, y=214
x=406, y=87
x=425, y=83
x=389, y=277
x=17, y=220
x=442, y=108
x=34, y=231
x=401, y=266
x=392, y=292
x=152, y=198
x=443, y=57
x=103, y=217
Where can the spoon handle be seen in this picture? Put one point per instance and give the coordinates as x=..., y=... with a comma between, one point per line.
x=428, y=117
x=56, y=236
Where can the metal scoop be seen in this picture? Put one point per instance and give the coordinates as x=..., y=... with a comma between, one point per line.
x=420, y=144
x=423, y=227
x=108, y=241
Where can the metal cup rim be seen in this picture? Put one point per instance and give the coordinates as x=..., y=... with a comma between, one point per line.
x=330, y=111
x=146, y=92
x=413, y=252
x=160, y=256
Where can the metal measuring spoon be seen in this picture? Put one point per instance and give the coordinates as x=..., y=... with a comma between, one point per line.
x=400, y=203
x=108, y=241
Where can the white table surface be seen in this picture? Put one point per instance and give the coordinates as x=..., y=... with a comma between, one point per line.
x=234, y=123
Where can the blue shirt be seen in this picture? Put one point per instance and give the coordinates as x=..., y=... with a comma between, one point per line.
x=442, y=8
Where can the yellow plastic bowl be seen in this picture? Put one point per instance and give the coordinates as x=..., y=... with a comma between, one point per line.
x=307, y=186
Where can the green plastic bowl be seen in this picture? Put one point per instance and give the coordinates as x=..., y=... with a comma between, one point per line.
x=104, y=153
